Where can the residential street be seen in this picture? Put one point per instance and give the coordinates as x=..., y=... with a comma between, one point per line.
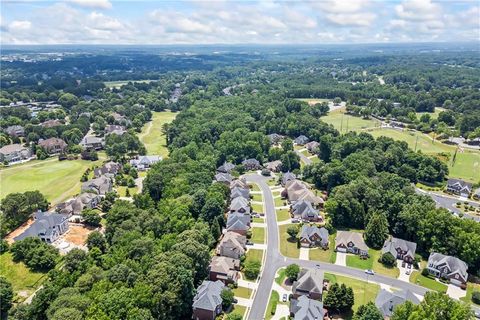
x=274, y=260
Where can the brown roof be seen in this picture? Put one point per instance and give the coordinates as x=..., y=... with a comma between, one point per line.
x=11, y=148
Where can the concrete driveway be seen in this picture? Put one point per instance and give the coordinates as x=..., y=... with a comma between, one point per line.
x=403, y=276
x=304, y=253
x=341, y=259
x=455, y=292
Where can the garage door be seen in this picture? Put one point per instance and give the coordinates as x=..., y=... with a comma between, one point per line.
x=455, y=282
x=342, y=249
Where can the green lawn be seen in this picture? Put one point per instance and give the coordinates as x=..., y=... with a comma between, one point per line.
x=254, y=254
x=433, y=115
x=258, y=235
x=274, y=296
x=355, y=261
x=313, y=101
x=122, y=191
x=344, y=122
x=281, y=276
x=259, y=220
x=254, y=187
x=239, y=310
x=57, y=180
x=470, y=288
x=282, y=214
x=379, y=268
x=272, y=182
x=315, y=159
x=152, y=136
x=257, y=197
x=118, y=84
x=242, y=292
x=279, y=202
x=427, y=282
x=22, y=279
x=257, y=207
x=319, y=254
x=364, y=292
x=288, y=247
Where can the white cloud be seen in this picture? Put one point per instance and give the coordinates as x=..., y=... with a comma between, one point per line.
x=341, y=6
x=418, y=10
x=96, y=4
x=352, y=19
x=19, y=25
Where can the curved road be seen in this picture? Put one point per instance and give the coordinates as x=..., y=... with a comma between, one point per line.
x=275, y=260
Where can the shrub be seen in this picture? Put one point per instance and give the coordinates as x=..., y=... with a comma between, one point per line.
x=252, y=269
x=387, y=259
x=3, y=246
x=425, y=272
x=274, y=307
x=476, y=297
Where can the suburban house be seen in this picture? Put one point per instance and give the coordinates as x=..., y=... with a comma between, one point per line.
x=240, y=204
x=459, y=187
x=121, y=119
x=238, y=222
x=92, y=143
x=53, y=145
x=109, y=169
x=312, y=146
x=223, y=178
x=301, y=140
x=240, y=192
x=309, y=283
x=101, y=185
x=386, y=301
x=274, y=166
x=144, y=162
x=476, y=194
x=47, y=226
x=451, y=268
x=75, y=206
x=351, y=242
x=232, y=245
x=287, y=177
x=15, y=131
x=51, y=123
x=226, y=167
x=251, y=164
x=313, y=236
x=296, y=190
x=239, y=183
x=304, y=211
x=115, y=129
x=400, y=249
x=224, y=269
x=14, y=152
x=304, y=308
x=207, y=303
x=275, y=138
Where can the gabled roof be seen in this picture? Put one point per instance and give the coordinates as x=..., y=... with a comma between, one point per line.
x=391, y=244
x=308, y=231
x=52, y=142
x=301, y=139
x=11, y=148
x=239, y=203
x=208, y=295
x=240, y=192
x=145, y=160
x=275, y=138
x=304, y=209
x=273, y=165
x=223, y=177
x=91, y=140
x=344, y=237
x=232, y=242
x=239, y=183
x=44, y=224
x=109, y=167
x=454, y=264
x=306, y=309
x=309, y=281
x=224, y=264
x=312, y=145
x=288, y=176
x=238, y=221
x=460, y=185
x=386, y=301
x=226, y=167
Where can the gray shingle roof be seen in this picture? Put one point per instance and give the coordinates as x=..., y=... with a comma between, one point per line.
x=309, y=231
x=240, y=192
x=238, y=221
x=301, y=140
x=344, y=237
x=459, y=185
x=223, y=177
x=304, y=210
x=386, y=301
x=45, y=223
x=306, y=309
x=454, y=264
x=309, y=281
x=288, y=176
x=226, y=167
x=208, y=295
x=392, y=243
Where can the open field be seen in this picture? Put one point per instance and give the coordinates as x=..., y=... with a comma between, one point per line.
x=118, y=84
x=57, y=180
x=312, y=101
x=364, y=291
x=433, y=115
x=344, y=122
x=288, y=247
x=152, y=136
x=23, y=280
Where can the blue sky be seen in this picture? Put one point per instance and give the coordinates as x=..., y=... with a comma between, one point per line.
x=233, y=22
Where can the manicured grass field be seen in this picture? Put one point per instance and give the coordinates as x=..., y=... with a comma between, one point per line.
x=254, y=254
x=427, y=282
x=152, y=136
x=433, y=115
x=319, y=254
x=274, y=296
x=238, y=309
x=22, y=279
x=257, y=197
x=118, y=84
x=258, y=235
x=272, y=182
x=344, y=122
x=122, y=191
x=57, y=180
x=242, y=292
x=288, y=247
x=259, y=220
x=257, y=207
x=379, y=268
x=313, y=101
x=364, y=292
x=283, y=214
x=470, y=288
x=279, y=202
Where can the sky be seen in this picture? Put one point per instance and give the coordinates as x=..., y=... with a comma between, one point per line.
x=238, y=22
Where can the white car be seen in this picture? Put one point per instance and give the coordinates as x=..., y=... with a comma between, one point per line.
x=370, y=272
x=408, y=272
x=285, y=297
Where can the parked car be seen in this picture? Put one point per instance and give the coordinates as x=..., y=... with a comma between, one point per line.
x=285, y=297
x=249, y=243
x=370, y=272
x=409, y=266
x=295, y=221
x=403, y=264
x=408, y=272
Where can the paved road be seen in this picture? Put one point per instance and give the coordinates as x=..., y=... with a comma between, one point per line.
x=303, y=158
x=448, y=202
x=275, y=260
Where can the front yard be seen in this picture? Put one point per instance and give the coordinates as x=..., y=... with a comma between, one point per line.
x=470, y=288
x=238, y=310
x=254, y=254
x=282, y=214
x=254, y=187
x=364, y=291
x=288, y=247
x=318, y=254
x=379, y=268
x=258, y=235
x=258, y=208
x=242, y=292
x=257, y=197
x=355, y=261
x=279, y=202
x=427, y=282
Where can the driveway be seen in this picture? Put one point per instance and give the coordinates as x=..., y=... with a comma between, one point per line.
x=304, y=253
x=402, y=276
x=455, y=292
x=341, y=259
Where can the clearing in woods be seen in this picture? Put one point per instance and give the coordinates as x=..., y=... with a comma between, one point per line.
x=152, y=136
